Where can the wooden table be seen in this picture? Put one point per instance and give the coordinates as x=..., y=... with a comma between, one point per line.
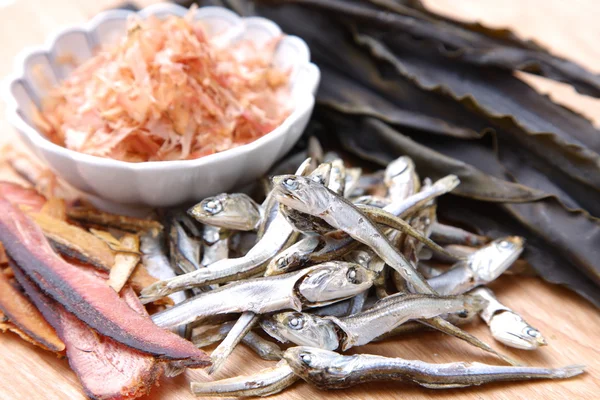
x=570, y=324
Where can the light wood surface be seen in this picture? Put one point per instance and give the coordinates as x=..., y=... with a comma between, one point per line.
x=570, y=324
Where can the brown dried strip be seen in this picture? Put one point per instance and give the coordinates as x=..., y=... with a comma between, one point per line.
x=21, y=313
x=88, y=297
x=108, y=370
x=125, y=263
x=75, y=242
x=92, y=217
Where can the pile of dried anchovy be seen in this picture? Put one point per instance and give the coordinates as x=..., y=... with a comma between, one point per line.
x=334, y=259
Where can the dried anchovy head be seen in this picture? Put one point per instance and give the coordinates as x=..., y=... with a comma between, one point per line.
x=319, y=367
x=302, y=329
x=492, y=260
x=335, y=280
x=301, y=193
x=232, y=211
x=510, y=329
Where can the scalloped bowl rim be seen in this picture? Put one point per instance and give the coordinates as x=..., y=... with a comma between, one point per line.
x=305, y=104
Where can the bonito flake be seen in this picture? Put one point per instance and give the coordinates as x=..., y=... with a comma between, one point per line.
x=166, y=92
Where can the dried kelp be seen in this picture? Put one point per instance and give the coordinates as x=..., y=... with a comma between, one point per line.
x=565, y=141
x=544, y=217
x=468, y=44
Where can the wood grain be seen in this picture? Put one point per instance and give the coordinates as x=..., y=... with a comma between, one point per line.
x=570, y=324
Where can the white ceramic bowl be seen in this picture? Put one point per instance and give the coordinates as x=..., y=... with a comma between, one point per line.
x=115, y=184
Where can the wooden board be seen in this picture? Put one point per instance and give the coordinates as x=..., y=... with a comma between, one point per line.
x=570, y=324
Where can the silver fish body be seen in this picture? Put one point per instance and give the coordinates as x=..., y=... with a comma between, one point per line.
x=185, y=244
x=387, y=314
x=480, y=268
x=291, y=258
x=401, y=178
x=447, y=234
x=361, y=328
x=215, y=244
x=154, y=258
x=329, y=370
x=311, y=287
x=236, y=211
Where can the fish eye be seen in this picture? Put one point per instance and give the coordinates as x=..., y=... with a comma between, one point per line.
x=352, y=275
x=504, y=244
x=281, y=262
x=296, y=323
x=290, y=183
x=306, y=358
x=318, y=179
x=532, y=332
x=212, y=206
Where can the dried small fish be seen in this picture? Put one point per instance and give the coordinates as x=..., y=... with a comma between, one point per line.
x=507, y=326
x=315, y=199
x=481, y=267
x=331, y=333
x=215, y=244
x=278, y=235
x=290, y=258
x=237, y=332
x=414, y=326
x=337, y=244
x=329, y=370
x=311, y=287
x=185, y=244
x=401, y=178
x=265, y=349
x=155, y=260
x=235, y=211
x=352, y=178
x=446, y=234
x=337, y=177
x=265, y=383
x=383, y=217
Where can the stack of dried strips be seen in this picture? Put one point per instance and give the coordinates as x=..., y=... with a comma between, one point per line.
x=399, y=79
x=72, y=290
